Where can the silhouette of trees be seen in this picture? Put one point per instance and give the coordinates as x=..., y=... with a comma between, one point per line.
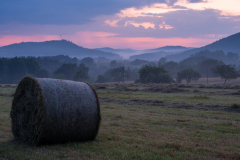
x=72, y=72
x=101, y=79
x=88, y=61
x=67, y=69
x=42, y=73
x=227, y=72
x=162, y=61
x=188, y=75
x=154, y=74
x=139, y=62
x=113, y=64
x=205, y=67
x=81, y=74
x=119, y=74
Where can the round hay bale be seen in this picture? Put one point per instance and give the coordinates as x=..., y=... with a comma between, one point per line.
x=46, y=111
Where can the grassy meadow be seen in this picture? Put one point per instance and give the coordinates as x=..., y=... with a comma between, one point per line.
x=132, y=128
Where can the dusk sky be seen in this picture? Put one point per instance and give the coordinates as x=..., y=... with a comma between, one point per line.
x=136, y=24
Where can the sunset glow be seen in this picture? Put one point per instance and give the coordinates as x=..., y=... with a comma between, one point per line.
x=180, y=22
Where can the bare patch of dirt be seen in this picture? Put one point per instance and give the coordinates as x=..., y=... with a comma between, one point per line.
x=157, y=103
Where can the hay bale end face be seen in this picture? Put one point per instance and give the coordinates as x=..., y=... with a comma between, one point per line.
x=46, y=111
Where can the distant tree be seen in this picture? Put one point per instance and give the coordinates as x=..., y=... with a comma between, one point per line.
x=128, y=73
x=3, y=62
x=205, y=67
x=227, y=72
x=108, y=74
x=119, y=74
x=42, y=73
x=31, y=66
x=188, y=75
x=81, y=75
x=101, y=79
x=193, y=60
x=139, y=62
x=113, y=64
x=15, y=70
x=152, y=64
x=162, y=61
x=172, y=67
x=59, y=76
x=88, y=61
x=83, y=67
x=232, y=58
x=134, y=74
x=67, y=70
x=154, y=74
x=219, y=55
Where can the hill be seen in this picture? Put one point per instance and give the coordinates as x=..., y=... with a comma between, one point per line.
x=53, y=48
x=132, y=54
x=228, y=44
x=169, y=49
x=107, y=49
x=151, y=56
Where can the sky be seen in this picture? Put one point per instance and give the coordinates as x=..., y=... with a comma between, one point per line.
x=136, y=24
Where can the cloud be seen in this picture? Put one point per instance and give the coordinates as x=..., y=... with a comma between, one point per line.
x=181, y=23
x=62, y=11
x=148, y=11
x=165, y=26
x=120, y=22
x=229, y=8
x=146, y=25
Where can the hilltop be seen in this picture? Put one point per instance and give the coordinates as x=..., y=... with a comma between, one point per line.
x=53, y=48
x=228, y=44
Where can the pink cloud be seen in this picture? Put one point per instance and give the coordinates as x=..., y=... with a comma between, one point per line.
x=90, y=40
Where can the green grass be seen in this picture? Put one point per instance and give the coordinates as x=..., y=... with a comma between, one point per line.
x=175, y=97
x=139, y=132
x=7, y=90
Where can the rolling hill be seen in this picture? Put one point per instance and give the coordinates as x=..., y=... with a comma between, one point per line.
x=155, y=56
x=147, y=54
x=53, y=48
x=228, y=44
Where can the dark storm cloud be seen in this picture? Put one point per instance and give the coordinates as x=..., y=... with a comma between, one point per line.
x=62, y=11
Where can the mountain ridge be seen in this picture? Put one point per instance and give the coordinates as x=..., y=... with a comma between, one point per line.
x=53, y=48
x=227, y=44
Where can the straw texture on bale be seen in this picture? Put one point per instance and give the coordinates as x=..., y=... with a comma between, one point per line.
x=46, y=111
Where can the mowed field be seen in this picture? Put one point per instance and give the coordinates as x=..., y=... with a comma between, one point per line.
x=151, y=121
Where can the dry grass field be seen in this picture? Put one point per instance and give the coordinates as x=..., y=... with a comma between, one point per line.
x=147, y=122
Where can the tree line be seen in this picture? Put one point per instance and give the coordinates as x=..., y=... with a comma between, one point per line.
x=64, y=67
x=13, y=69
